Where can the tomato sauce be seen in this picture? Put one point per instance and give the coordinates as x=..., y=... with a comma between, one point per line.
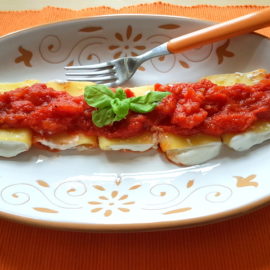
x=44, y=110
x=201, y=107
x=207, y=108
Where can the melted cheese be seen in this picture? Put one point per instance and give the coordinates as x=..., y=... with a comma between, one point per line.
x=142, y=90
x=4, y=87
x=140, y=143
x=248, y=78
x=73, y=88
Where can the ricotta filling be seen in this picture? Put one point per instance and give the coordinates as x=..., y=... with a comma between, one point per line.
x=12, y=148
x=131, y=147
x=195, y=155
x=246, y=140
x=63, y=146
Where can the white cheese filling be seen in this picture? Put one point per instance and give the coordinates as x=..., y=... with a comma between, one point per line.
x=195, y=155
x=12, y=148
x=131, y=147
x=248, y=139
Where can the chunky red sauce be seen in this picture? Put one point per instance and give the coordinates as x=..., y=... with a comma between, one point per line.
x=201, y=107
x=207, y=108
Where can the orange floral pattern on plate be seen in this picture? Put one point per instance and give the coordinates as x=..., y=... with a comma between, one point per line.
x=222, y=52
x=123, y=48
x=115, y=200
x=25, y=57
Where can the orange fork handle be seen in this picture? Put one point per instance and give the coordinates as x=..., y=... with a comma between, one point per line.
x=221, y=31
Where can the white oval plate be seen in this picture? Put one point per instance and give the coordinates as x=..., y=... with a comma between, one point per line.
x=128, y=191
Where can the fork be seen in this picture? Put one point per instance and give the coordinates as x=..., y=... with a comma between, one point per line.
x=116, y=72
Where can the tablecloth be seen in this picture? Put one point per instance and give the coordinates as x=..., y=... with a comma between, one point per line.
x=239, y=243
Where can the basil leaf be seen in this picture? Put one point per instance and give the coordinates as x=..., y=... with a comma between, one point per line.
x=156, y=96
x=147, y=103
x=114, y=106
x=103, y=117
x=98, y=96
x=120, y=107
x=150, y=97
x=142, y=108
x=120, y=93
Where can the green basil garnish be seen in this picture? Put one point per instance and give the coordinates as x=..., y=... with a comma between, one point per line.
x=115, y=106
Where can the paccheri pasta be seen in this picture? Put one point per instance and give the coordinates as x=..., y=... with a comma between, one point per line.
x=189, y=122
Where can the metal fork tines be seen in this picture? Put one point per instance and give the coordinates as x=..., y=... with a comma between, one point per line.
x=115, y=72
x=103, y=72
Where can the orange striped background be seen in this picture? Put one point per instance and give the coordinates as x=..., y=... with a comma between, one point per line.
x=241, y=243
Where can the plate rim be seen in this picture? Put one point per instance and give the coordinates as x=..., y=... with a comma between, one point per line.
x=130, y=227
x=141, y=227
x=102, y=17
x=37, y=27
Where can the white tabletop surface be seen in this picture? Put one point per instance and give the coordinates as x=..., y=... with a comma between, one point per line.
x=80, y=4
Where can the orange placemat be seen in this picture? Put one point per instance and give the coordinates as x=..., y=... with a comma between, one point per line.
x=241, y=243
x=24, y=19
